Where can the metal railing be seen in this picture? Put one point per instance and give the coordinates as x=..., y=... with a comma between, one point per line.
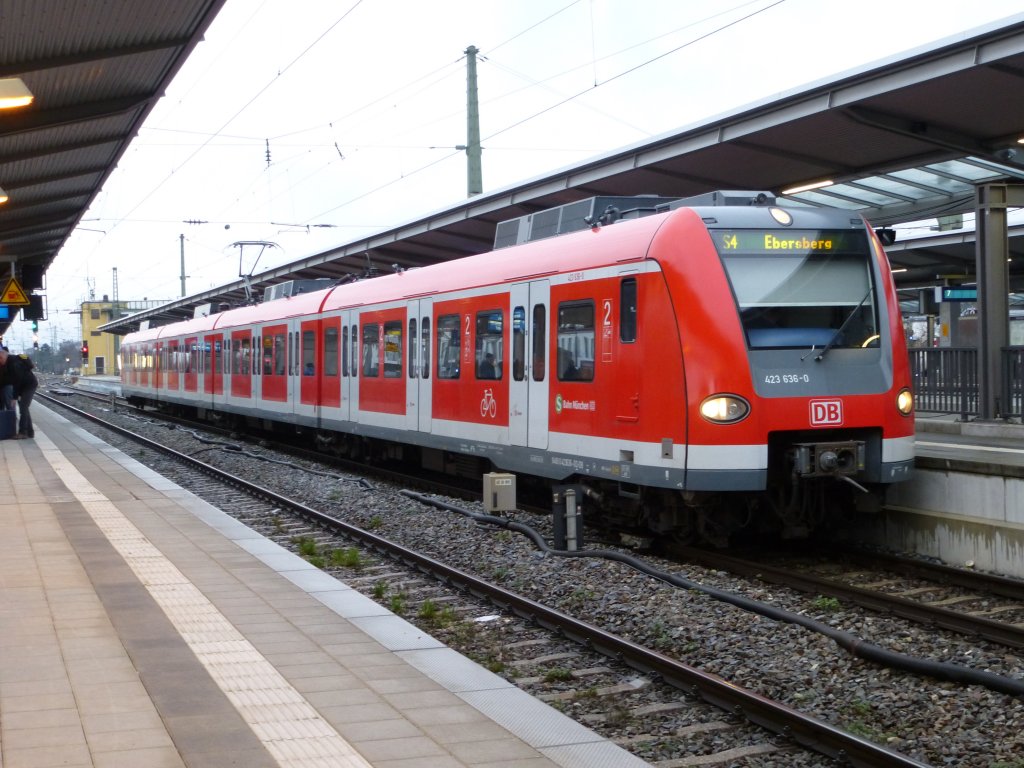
x=946, y=381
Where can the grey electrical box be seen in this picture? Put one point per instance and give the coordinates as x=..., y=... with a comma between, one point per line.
x=499, y=492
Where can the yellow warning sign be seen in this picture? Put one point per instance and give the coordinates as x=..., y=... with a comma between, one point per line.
x=14, y=294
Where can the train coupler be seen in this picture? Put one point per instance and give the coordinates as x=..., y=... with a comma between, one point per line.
x=839, y=459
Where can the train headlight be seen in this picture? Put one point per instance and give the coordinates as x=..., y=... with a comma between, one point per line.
x=905, y=402
x=724, y=409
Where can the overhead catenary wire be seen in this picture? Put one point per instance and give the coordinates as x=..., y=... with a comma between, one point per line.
x=245, y=106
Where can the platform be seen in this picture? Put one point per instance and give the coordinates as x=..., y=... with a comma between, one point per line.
x=139, y=626
x=964, y=504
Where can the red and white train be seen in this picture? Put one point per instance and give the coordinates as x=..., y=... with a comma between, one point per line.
x=701, y=368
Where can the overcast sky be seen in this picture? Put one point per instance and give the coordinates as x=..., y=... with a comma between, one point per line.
x=312, y=123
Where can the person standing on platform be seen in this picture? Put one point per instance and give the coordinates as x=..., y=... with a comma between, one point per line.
x=18, y=373
x=6, y=388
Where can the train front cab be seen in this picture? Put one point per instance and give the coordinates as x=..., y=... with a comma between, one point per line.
x=819, y=408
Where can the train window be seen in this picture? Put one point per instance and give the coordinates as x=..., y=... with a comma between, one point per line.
x=308, y=353
x=808, y=289
x=331, y=351
x=490, y=353
x=425, y=347
x=371, y=349
x=274, y=355
x=448, y=347
x=344, y=350
x=280, y=355
x=245, y=357
x=392, y=350
x=218, y=356
x=413, y=368
x=627, y=310
x=518, y=343
x=355, y=350
x=576, y=341
x=539, y=335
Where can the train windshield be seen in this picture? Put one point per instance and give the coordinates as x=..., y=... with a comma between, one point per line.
x=801, y=289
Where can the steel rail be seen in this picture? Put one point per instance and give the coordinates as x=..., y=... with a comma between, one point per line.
x=922, y=613
x=1004, y=586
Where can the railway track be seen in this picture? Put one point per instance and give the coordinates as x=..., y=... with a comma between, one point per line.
x=648, y=701
x=974, y=604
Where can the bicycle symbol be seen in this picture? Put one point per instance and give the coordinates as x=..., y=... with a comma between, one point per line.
x=488, y=405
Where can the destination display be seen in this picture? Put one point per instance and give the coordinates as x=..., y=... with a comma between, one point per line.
x=768, y=241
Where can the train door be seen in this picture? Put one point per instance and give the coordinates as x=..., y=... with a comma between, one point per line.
x=528, y=388
x=174, y=367
x=216, y=369
x=241, y=364
x=329, y=370
x=349, y=365
x=144, y=377
x=620, y=349
x=191, y=350
x=158, y=377
x=213, y=368
x=274, y=362
x=418, y=378
x=309, y=366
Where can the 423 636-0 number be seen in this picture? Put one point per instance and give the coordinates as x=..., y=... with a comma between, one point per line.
x=787, y=378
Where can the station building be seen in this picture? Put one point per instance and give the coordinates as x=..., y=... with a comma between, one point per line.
x=99, y=348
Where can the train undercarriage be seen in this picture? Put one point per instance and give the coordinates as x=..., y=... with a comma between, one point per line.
x=812, y=486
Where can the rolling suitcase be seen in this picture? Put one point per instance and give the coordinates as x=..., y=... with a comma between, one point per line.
x=8, y=423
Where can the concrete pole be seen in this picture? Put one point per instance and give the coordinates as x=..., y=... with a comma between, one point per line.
x=474, y=172
x=182, y=240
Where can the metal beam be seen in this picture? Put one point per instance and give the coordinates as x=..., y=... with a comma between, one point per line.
x=992, y=254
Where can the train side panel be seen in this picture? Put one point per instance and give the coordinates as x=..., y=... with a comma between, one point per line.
x=381, y=366
x=472, y=369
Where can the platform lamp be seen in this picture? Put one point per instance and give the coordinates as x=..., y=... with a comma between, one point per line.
x=14, y=93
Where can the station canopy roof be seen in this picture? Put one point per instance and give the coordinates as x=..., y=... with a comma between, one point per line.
x=904, y=139
x=96, y=70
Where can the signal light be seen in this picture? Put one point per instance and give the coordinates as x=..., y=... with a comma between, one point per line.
x=85, y=351
x=35, y=326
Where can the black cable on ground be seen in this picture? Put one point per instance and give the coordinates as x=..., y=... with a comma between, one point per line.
x=850, y=642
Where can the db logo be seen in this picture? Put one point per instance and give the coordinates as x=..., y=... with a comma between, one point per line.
x=826, y=413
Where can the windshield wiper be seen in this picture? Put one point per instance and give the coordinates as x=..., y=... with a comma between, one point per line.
x=839, y=331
